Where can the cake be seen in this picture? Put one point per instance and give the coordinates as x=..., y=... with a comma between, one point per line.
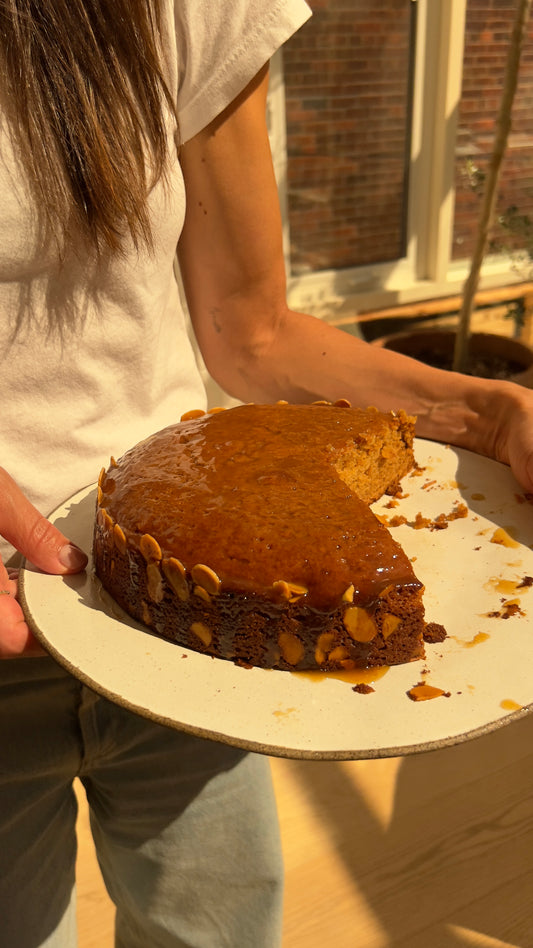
x=246, y=533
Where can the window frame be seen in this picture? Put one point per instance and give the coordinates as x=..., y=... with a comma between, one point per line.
x=427, y=271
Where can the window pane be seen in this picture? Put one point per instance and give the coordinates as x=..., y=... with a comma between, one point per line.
x=347, y=78
x=488, y=30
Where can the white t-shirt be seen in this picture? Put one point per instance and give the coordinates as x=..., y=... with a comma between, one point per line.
x=123, y=366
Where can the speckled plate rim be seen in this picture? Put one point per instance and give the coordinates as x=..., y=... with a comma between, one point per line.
x=31, y=600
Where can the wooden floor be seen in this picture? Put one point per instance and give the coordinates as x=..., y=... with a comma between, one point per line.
x=428, y=851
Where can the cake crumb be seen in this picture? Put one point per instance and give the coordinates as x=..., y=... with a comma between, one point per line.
x=525, y=583
x=434, y=632
x=509, y=608
x=397, y=521
x=363, y=689
x=417, y=470
x=440, y=522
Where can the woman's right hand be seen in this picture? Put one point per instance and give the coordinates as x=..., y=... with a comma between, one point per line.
x=44, y=546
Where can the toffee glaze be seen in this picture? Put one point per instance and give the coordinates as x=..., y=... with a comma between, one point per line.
x=270, y=511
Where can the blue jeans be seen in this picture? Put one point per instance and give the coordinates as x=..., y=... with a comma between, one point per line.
x=185, y=829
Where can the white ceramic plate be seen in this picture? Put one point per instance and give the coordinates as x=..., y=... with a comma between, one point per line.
x=473, y=587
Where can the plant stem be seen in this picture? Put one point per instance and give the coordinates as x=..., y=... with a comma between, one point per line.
x=486, y=217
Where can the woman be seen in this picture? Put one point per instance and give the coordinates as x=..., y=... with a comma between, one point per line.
x=96, y=96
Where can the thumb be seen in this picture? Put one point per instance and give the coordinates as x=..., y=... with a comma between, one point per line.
x=22, y=525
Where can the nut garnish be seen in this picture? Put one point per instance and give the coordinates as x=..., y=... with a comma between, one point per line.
x=323, y=647
x=348, y=594
x=290, y=591
x=119, y=538
x=174, y=571
x=206, y=577
x=202, y=632
x=291, y=648
x=202, y=593
x=150, y=548
x=390, y=624
x=281, y=588
x=359, y=624
x=154, y=582
x=339, y=654
x=105, y=520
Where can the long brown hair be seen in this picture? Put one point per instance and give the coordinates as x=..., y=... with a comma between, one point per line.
x=86, y=97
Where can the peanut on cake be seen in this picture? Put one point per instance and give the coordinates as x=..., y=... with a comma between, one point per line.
x=246, y=534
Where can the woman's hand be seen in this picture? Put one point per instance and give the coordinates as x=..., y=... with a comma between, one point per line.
x=44, y=546
x=513, y=432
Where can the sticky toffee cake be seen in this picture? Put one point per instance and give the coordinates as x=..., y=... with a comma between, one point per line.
x=246, y=533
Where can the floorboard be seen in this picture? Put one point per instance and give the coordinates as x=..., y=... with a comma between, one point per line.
x=429, y=851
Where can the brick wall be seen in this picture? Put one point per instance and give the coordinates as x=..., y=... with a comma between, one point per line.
x=488, y=28
x=346, y=75
x=347, y=83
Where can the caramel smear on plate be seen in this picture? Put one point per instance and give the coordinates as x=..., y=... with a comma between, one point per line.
x=507, y=587
x=284, y=712
x=478, y=638
x=503, y=538
x=424, y=692
x=509, y=705
x=353, y=676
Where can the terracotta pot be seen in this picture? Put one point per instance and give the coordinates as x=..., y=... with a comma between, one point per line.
x=491, y=355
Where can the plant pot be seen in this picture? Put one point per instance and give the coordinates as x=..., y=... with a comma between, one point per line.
x=489, y=355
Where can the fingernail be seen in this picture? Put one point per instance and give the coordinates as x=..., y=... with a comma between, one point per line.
x=72, y=557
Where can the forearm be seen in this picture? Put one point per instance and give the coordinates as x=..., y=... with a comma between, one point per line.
x=307, y=359
x=258, y=350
